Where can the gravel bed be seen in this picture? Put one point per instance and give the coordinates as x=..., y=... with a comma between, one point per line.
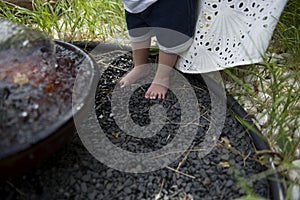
x=73, y=173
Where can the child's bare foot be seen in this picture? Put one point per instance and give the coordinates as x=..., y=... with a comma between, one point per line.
x=134, y=75
x=158, y=89
x=160, y=84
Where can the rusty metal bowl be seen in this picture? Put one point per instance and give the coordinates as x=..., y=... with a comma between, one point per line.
x=17, y=159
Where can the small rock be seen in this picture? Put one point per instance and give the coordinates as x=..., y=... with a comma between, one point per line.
x=207, y=181
x=229, y=183
x=83, y=187
x=86, y=177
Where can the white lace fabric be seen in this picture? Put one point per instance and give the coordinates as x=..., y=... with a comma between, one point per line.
x=230, y=33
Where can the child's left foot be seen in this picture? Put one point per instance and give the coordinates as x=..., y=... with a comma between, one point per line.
x=160, y=84
x=157, y=89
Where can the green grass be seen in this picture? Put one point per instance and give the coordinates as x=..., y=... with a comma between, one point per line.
x=272, y=88
x=70, y=20
x=287, y=33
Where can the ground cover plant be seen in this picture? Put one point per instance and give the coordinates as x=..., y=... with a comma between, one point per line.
x=269, y=91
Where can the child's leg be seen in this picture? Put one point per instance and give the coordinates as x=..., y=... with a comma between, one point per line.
x=159, y=85
x=140, y=53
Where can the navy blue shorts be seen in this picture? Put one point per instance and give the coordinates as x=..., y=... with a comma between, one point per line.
x=171, y=21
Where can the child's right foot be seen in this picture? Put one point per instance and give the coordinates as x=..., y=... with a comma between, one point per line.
x=134, y=75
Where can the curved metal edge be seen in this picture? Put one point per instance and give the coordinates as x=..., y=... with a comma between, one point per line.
x=276, y=188
x=101, y=46
x=27, y=156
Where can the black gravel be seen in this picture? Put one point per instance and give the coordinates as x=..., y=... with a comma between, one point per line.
x=73, y=173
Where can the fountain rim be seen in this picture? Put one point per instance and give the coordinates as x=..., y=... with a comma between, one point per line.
x=66, y=119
